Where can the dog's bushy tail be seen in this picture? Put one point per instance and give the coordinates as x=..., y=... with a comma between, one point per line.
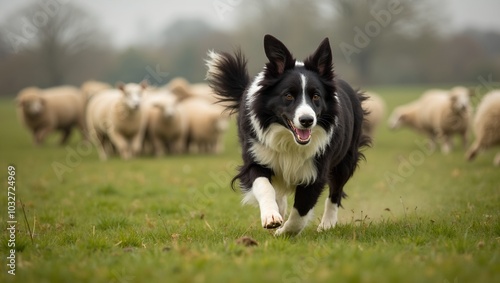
x=227, y=75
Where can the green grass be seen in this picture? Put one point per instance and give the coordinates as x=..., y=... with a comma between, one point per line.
x=410, y=217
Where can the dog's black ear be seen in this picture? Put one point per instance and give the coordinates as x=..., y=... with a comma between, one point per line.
x=321, y=60
x=280, y=59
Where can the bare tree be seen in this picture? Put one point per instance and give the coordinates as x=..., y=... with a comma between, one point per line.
x=56, y=34
x=369, y=28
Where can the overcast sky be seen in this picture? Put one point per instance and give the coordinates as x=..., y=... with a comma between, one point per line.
x=126, y=21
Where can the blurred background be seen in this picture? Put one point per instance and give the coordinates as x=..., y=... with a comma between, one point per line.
x=379, y=42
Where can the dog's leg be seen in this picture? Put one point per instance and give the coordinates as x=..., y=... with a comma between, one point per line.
x=329, y=219
x=282, y=204
x=305, y=199
x=266, y=197
x=295, y=223
x=343, y=171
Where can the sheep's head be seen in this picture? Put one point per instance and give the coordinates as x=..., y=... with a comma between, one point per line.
x=132, y=93
x=31, y=102
x=167, y=103
x=397, y=119
x=460, y=98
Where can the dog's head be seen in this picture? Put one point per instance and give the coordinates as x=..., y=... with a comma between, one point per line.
x=297, y=95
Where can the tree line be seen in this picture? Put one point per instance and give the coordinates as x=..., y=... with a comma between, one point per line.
x=374, y=42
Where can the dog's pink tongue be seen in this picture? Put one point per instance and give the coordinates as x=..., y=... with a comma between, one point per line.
x=304, y=134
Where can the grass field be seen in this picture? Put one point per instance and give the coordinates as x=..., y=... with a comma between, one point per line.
x=411, y=216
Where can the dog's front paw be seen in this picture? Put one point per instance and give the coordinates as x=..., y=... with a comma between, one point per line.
x=326, y=225
x=287, y=231
x=271, y=220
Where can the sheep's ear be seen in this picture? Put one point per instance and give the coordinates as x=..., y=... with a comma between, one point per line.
x=453, y=97
x=18, y=101
x=179, y=98
x=120, y=86
x=144, y=84
x=280, y=59
x=321, y=60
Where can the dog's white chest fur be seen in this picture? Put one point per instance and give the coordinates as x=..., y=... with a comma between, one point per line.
x=291, y=163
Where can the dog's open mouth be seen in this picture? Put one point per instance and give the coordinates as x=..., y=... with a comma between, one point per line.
x=302, y=136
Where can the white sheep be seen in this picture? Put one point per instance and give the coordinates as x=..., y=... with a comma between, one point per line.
x=43, y=111
x=115, y=116
x=207, y=125
x=486, y=126
x=180, y=87
x=438, y=113
x=183, y=89
x=167, y=127
x=92, y=87
x=375, y=106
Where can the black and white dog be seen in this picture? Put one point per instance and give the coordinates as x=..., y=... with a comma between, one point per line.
x=299, y=129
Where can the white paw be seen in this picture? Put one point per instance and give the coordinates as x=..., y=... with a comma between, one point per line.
x=279, y=231
x=286, y=231
x=323, y=226
x=329, y=219
x=271, y=220
x=295, y=224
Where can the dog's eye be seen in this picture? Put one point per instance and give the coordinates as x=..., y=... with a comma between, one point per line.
x=289, y=97
x=315, y=97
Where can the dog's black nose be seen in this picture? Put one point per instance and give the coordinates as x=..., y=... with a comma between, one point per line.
x=306, y=120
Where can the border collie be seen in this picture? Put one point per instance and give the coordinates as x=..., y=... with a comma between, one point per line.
x=299, y=129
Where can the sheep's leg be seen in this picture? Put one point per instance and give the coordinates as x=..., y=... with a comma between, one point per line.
x=444, y=141
x=432, y=142
x=496, y=161
x=83, y=129
x=66, y=133
x=205, y=147
x=465, y=140
x=36, y=138
x=158, y=146
x=40, y=135
x=219, y=147
x=121, y=144
x=178, y=145
x=137, y=144
x=473, y=150
x=99, y=142
x=446, y=146
x=108, y=146
x=194, y=148
x=138, y=139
